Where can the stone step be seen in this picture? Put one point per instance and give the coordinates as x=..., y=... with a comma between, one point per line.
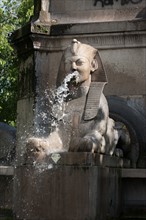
x=133, y=173
x=133, y=218
x=6, y=170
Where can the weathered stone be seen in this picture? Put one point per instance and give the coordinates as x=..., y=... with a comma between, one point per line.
x=89, y=191
x=133, y=193
x=7, y=143
x=67, y=191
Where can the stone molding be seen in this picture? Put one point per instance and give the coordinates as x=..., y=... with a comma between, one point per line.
x=100, y=41
x=107, y=35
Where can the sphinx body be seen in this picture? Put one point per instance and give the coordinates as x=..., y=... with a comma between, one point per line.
x=83, y=123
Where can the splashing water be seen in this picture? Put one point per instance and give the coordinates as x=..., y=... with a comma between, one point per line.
x=52, y=103
x=59, y=95
x=43, y=167
x=52, y=143
x=63, y=90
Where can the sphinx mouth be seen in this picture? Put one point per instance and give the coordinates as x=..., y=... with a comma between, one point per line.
x=74, y=82
x=75, y=77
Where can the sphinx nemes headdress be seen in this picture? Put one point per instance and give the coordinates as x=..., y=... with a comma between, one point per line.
x=98, y=77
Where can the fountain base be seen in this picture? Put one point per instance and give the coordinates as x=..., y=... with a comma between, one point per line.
x=69, y=186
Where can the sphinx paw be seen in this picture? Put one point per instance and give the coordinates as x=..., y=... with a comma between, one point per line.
x=35, y=149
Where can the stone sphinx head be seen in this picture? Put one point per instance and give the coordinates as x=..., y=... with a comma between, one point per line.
x=81, y=58
x=85, y=60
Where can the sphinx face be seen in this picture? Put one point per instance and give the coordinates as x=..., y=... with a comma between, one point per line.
x=80, y=64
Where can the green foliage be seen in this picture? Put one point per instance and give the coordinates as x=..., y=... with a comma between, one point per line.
x=25, y=11
x=13, y=14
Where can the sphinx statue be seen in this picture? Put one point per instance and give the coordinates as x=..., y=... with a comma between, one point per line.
x=82, y=122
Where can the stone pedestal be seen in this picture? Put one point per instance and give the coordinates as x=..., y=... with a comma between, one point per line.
x=78, y=186
x=6, y=191
x=133, y=193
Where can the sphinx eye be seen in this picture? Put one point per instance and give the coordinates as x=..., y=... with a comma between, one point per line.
x=79, y=62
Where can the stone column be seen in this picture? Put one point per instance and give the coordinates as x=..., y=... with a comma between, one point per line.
x=38, y=70
x=41, y=11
